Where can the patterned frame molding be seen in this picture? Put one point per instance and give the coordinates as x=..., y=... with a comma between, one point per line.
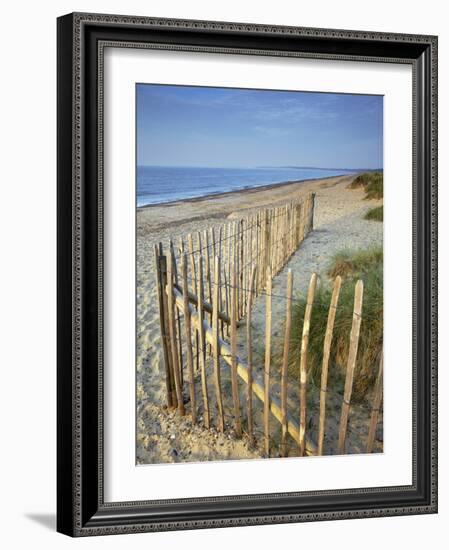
x=81, y=41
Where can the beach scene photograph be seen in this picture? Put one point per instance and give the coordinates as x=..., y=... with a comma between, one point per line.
x=259, y=274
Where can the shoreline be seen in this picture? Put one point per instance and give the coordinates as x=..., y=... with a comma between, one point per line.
x=152, y=219
x=249, y=190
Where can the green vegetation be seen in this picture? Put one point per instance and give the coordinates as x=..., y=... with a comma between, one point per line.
x=355, y=264
x=368, y=266
x=376, y=214
x=372, y=182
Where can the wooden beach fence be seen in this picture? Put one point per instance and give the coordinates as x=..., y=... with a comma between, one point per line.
x=285, y=357
x=377, y=400
x=325, y=363
x=353, y=347
x=202, y=306
x=303, y=364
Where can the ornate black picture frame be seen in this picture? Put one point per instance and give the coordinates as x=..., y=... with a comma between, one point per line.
x=81, y=509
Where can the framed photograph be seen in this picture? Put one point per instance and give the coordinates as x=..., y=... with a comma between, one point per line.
x=247, y=274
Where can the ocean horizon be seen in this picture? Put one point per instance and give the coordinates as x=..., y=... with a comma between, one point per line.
x=162, y=184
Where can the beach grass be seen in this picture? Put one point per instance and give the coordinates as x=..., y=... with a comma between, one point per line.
x=375, y=214
x=355, y=263
x=372, y=183
x=351, y=266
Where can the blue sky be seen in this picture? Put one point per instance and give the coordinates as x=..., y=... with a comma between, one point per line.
x=228, y=127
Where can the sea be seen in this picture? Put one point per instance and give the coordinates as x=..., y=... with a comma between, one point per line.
x=161, y=184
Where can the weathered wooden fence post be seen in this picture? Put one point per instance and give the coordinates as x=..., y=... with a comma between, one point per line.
x=195, y=290
x=312, y=212
x=162, y=323
x=249, y=337
x=222, y=269
x=202, y=339
x=234, y=380
x=188, y=335
x=267, y=248
x=241, y=270
x=376, y=406
x=303, y=364
x=325, y=363
x=284, y=374
x=208, y=271
x=178, y=319
x=216, y=344
x=352, y=356
x=230, y=262
x=173, y=333
x=266, y=411
x=164, y=282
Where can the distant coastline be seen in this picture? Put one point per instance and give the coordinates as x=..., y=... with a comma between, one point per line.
x=243, y=191
x=355, y=170
x=174, y=185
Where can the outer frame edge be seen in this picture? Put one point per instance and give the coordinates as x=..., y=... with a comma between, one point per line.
x=78, y=20
x=65, y=442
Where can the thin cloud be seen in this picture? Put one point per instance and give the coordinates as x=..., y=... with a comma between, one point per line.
x=251, y=126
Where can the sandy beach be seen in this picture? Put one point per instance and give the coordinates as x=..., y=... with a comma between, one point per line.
x=164, y=436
